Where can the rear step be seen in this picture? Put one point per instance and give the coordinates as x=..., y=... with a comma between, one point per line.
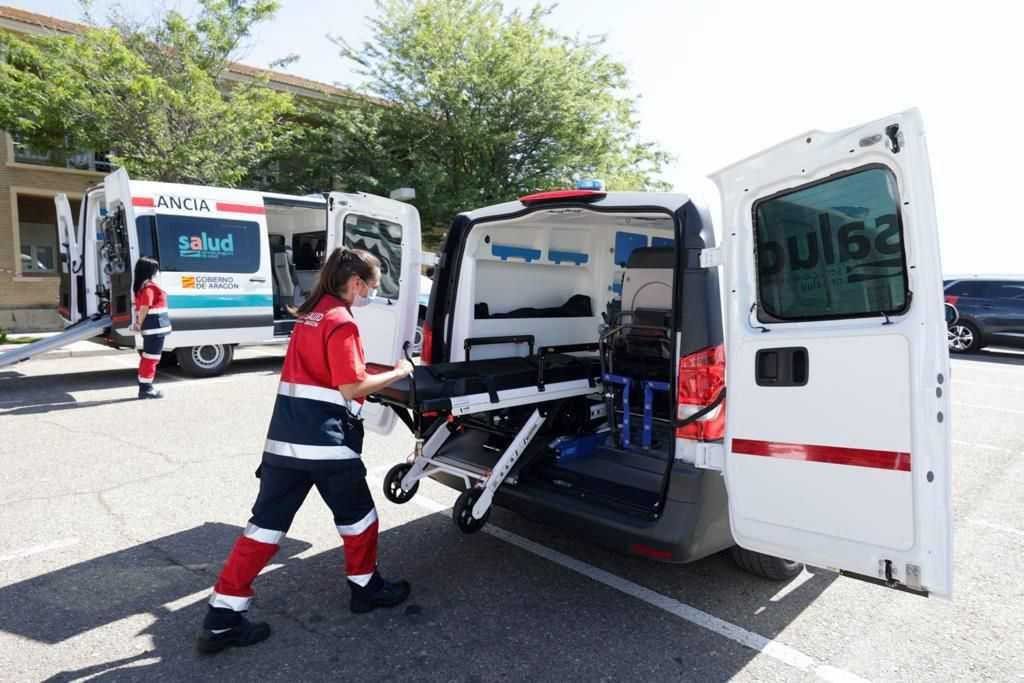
x=83, y=329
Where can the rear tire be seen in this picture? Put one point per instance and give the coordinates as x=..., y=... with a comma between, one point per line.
x=963, y=337
x=208, y=360
x=773, y=568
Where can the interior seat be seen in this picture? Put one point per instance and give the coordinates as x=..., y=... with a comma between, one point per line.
x=643, y=350
x=286, y=291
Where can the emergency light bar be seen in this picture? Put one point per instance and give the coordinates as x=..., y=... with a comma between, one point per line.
x=559, y=195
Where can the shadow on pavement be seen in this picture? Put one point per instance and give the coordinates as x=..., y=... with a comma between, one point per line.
x=480, y=610
x=1000, y=356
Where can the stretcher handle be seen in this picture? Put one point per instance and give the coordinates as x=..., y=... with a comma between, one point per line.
x=407, y=350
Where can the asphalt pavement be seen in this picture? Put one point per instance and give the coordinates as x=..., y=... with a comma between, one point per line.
x=117, y=515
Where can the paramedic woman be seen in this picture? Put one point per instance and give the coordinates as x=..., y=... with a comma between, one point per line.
x=315, y=438
x=151, y=321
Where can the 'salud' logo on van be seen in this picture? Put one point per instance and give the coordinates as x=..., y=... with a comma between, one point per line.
x=849, y=254
x=205, y=246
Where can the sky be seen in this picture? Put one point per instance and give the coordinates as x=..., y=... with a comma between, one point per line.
x=716, y=81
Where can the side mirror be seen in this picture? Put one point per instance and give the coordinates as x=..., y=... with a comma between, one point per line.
x=952, y=315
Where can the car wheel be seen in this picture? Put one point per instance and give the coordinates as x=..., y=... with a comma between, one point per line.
x=207, y=360
x=963, y=337
x=774, y=568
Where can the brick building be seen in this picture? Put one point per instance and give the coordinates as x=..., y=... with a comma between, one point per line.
x=29, y=252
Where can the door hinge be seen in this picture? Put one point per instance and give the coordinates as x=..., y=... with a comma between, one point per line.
x=709, y=456
x=710, y=258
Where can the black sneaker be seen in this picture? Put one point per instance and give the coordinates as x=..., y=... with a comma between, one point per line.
x=378, y=593
x=148, y=391
x=242, y=634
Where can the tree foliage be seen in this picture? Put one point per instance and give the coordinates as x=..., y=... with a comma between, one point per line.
x=484, y=105
x=155, y=96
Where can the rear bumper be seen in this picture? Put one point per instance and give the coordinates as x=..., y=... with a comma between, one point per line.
x=695, y=522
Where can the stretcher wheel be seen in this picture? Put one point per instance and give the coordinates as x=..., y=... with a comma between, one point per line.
x=462, y=512
x=393, y=490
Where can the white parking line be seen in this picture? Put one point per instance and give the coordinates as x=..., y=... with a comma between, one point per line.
x=997, y=527
x=983, y=446
x=999, y=408
x=989, y=384
x=36, y=549
x=766, y=646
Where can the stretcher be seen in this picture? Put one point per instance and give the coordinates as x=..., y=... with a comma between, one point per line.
x=460, y=396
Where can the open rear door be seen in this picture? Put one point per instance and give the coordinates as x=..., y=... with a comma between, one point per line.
x=391, y=231
x=120, y=251
x=70, y=261
x=837, y=433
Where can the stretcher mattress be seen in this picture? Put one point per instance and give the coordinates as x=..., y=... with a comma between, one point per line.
x=436, y=385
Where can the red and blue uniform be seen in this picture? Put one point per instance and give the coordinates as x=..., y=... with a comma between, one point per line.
x=315, y=439
x=155, y=328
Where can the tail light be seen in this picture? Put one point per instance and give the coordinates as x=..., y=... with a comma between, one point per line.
x=701, y=379
x=950, y=299
x=428, y=343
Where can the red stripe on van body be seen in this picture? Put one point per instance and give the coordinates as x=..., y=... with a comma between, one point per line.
x=240, y=208
x=834, y=455
x=143, y=201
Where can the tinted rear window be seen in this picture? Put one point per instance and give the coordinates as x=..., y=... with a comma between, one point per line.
x=208, y=245
x=832, y=249
x=1005, y=290
x=968, y=288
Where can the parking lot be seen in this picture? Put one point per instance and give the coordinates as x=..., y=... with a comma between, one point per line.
x=118, y=513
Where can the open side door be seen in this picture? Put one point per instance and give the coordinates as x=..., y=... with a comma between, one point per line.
x=71, y=262
x=838, y=428
x=391, y=231
x=119, y=250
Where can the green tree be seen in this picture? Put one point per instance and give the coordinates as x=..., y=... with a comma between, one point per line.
x=154, y=96
x=484, y=105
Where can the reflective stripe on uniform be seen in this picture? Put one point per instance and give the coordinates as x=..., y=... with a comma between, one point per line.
x=360, y=526
x=157, y=330
x=263, y=535
x=231, y=602
x=360, y=579
x=304, y=452
x=151, y=356
x=158, y=310
x=315, y=393
x=145, y=380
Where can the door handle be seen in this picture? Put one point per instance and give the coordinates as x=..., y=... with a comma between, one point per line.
x=987, y=306
x=258, y=278
x=781, y=367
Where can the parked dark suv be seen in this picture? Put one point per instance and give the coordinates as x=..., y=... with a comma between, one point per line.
x=991, y=312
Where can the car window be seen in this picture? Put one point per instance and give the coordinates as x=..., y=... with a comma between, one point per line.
x=207, y=245
x=1005, y=290
x=383, y=239
x=831, y=249
x=967, y=288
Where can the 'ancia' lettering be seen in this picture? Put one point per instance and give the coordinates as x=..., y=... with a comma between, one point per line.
x=808, y=251
x=186, y=203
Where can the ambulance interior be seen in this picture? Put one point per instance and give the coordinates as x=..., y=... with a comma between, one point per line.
x=572, y=277
x=299, y=244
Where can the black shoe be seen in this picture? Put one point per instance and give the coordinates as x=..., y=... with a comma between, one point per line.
x=243, y=634
x=378, y=593
x=148, y=391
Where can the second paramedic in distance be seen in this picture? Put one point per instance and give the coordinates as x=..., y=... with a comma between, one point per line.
x=315, y=439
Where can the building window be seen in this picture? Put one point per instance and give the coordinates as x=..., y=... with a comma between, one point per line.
x=61, y=158
x=37, y=234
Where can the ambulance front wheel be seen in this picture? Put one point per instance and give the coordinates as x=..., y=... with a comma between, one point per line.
x=462, y=512
x=393, y=490
x=207, y=360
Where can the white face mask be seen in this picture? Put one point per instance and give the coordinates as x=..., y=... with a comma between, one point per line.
x=360, y=300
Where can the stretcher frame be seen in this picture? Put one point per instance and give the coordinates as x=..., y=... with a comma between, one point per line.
x=480, y=489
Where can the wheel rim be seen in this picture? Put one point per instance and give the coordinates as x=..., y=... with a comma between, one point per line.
x=398, y=494
x=467, y=522
x=208, y=356
x=960, y=337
